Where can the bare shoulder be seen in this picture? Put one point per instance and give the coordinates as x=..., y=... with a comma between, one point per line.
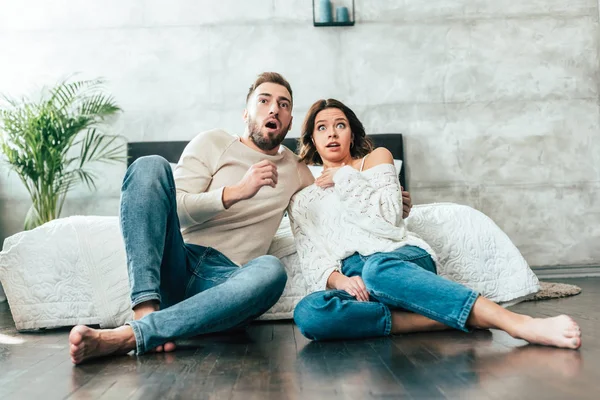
x=380, y=155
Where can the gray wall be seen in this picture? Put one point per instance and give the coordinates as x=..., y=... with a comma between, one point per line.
x=498, y=99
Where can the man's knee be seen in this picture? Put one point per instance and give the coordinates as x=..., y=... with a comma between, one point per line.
x=272, y=271
x=151, y=167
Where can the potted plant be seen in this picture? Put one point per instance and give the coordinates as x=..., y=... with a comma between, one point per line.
x=51, y=142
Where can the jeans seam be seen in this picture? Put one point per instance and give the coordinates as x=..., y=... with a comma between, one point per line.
x=139, y=337
x=467, y=308
x=145, y=297
x=189, y=285
x=388, y=320
x=416, y=257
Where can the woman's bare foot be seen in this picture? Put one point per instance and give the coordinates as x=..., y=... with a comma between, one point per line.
x=145, y=308
x=559, y=331
x=86, y=343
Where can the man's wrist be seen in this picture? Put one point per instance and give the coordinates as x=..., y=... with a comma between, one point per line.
x=231, y=195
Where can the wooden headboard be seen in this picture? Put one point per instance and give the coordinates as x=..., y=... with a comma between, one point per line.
x=171, y=151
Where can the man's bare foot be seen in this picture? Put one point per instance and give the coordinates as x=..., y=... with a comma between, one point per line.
x=559, y=331
x=86, y=343
x=145, y=308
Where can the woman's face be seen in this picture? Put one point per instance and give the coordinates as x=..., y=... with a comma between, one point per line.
x=332, y=135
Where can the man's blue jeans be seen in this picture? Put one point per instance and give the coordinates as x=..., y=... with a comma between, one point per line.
x=404, y=279
x=198, y=288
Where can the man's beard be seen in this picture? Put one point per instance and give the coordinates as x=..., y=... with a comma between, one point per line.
x=268, y=142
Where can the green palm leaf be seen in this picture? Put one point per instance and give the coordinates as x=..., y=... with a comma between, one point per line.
x=40, y=140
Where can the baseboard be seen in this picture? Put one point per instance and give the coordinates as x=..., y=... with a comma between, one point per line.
x=567, y=272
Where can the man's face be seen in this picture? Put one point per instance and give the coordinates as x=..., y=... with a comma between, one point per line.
x=269, y=115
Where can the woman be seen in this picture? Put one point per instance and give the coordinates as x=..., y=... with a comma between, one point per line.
x=368, y=274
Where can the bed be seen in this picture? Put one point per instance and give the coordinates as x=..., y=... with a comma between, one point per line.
x=73, y=270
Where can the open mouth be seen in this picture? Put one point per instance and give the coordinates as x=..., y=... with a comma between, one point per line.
x=271, y=125
x=334, y=144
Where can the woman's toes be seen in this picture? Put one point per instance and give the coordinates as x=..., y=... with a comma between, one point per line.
x=572, y=333
x=169, y=347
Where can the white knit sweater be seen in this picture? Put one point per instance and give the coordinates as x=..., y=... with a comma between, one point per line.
x=361, y=213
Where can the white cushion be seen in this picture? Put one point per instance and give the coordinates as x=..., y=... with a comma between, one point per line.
x=73, y=270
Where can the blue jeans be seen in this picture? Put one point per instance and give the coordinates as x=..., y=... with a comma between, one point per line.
x=404, y=279
x=198, y=288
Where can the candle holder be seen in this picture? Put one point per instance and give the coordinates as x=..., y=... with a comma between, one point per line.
x=324, y=14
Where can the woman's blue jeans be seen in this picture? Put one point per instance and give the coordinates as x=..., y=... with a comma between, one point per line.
x=404, y=279
x=198, y=288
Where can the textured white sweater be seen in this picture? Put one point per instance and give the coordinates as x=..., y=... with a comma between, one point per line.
x=361, y=213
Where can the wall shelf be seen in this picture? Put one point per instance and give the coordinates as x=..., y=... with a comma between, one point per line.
x=350, y=23
x=318, y=20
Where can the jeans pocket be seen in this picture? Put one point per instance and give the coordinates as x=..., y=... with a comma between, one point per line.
x=214, y=266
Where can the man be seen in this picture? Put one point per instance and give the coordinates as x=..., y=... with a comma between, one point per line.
x=187, y=235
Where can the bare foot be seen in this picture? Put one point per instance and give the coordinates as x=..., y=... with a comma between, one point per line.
x=87, y=343
x=145, y=308
x=559, y=331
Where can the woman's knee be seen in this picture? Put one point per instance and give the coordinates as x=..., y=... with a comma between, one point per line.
x=310, y=317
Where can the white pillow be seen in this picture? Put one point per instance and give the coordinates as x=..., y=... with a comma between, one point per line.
x=317, y=169
x=398, y=166
x=472, y=250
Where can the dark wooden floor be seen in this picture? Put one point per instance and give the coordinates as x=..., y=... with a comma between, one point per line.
x=274, y=361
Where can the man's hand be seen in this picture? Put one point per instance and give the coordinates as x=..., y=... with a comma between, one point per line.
x=261, y=174
x=406, y=203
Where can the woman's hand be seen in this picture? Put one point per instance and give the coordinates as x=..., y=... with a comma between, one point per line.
x=354, y=286
x=325, y=180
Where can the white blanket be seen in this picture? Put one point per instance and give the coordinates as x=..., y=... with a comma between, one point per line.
x=73, y=270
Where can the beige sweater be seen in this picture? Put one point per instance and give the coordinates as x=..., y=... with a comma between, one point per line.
x=215, y=159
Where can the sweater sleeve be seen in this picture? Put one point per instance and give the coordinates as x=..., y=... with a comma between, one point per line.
x=374, y=203
x=315, y=262
x=193, y=174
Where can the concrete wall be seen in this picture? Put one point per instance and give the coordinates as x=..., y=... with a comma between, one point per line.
x=498, y=100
